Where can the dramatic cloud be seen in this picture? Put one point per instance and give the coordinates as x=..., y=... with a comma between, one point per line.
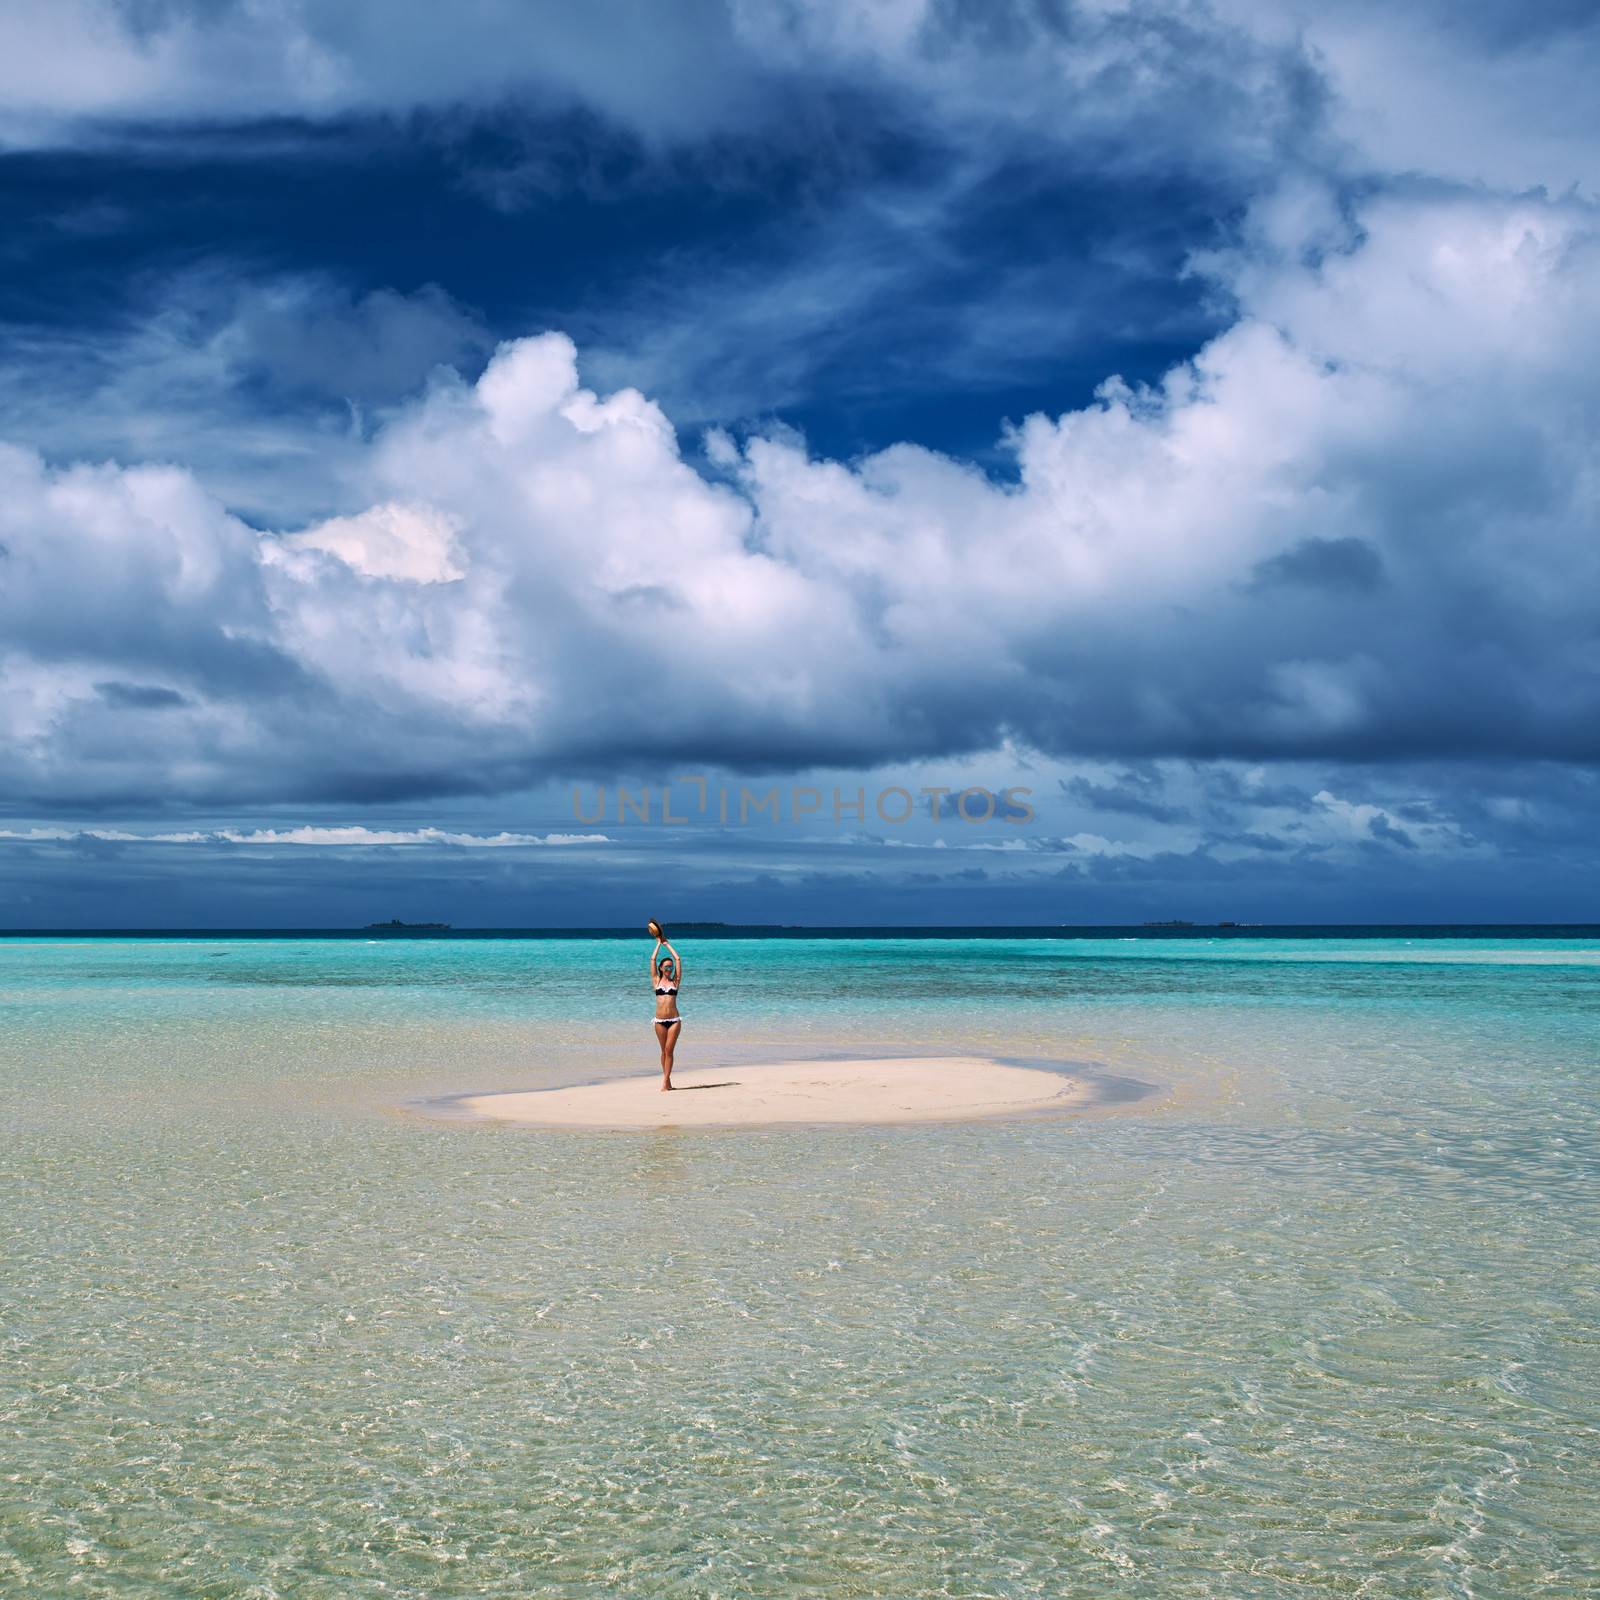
x=1357, y=525
x=1477, y=91
x=1376, y=846
x=86, y=70
x=1136, y=792
x=72, y=67
x=265, y=386
x=1347, y=563
x=325, y=500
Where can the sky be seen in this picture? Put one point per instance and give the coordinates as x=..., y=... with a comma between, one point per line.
x=432, y=438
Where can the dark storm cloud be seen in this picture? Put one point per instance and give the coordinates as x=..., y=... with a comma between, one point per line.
x=139, y=696
x=1225, y=787
x=1335, y=861
x=1135, y=792
x=1348, y=564
x=1382, y=828
x=1252, y=842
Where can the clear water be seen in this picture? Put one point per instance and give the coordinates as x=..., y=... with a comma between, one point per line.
x=1320, y=1320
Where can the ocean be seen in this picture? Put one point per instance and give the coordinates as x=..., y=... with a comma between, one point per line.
x=1320, y=1316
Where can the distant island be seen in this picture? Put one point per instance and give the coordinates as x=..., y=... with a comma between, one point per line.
x=1178, y=922
x=397, y=926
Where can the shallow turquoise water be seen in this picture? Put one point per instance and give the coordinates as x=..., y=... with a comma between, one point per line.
x=1320, y=1320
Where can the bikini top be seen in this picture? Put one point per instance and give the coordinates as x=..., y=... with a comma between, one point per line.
x=672, y=990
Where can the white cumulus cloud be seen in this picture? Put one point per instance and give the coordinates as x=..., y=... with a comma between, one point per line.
x=413, y=543
x=1355, y=523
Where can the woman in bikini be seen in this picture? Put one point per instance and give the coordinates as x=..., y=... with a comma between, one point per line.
x=666, y=978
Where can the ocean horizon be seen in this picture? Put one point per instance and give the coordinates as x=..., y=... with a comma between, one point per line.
x=1176, y=929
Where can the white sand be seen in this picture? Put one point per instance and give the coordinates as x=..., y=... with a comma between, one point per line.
x=944, y=1089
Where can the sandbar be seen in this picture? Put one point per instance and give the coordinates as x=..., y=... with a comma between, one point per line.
x=914, y=1089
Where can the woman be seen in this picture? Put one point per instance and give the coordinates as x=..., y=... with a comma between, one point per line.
x=666, y=978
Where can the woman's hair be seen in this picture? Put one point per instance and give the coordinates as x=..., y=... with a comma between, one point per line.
x=660, y=931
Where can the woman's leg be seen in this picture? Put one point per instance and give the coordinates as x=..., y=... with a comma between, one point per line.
x=664, y=1039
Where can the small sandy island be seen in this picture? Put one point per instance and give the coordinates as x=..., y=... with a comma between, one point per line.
x=927, y=1089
